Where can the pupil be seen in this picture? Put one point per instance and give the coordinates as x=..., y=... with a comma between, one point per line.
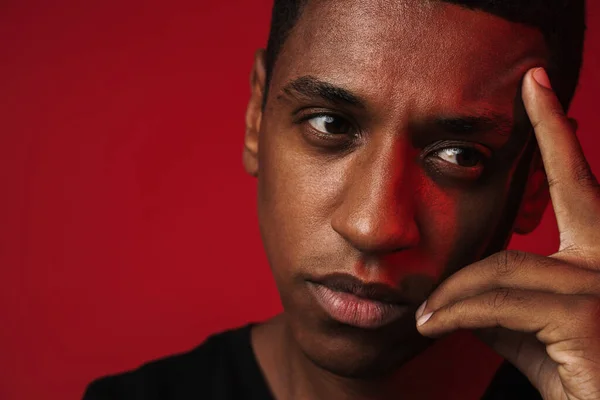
x=336, y=125
x=467, y=158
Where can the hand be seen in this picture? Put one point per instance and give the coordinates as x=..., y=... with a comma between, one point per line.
x=542, y=314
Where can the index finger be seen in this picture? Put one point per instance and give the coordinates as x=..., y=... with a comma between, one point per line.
x=573, y=187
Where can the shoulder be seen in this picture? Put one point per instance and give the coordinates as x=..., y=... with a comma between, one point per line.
x=203, y=372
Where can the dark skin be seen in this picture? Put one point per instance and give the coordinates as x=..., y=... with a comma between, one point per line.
x=392, y=140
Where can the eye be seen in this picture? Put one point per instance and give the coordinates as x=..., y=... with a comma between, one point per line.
x=461, y=156
x=330, y=124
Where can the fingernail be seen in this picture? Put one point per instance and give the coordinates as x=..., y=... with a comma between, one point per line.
x=541, y=77
x=423, y=319
x=421, y=309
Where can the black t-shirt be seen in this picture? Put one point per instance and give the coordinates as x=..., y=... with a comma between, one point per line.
x=224, y=368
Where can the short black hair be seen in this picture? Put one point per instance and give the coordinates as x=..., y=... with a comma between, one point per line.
x=562, y=22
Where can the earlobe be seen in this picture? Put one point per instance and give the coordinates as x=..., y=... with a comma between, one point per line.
x=254, y=113
x=535, y=200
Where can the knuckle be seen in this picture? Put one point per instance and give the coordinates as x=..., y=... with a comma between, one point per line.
x=456, y=308
x=583, y=175
x=508, y=262
x=499, y=297
x=554, y=117
x=556, y=112
x=537, y=124
x=553, y=181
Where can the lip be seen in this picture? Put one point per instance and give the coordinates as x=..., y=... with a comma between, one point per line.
x=350, y=301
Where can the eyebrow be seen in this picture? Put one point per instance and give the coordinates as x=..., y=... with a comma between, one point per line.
x=483, y=121
x=309, y=86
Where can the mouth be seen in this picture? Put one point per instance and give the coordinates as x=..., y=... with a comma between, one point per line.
x=350, y=301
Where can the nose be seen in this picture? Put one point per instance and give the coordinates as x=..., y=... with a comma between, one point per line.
x=376, y=213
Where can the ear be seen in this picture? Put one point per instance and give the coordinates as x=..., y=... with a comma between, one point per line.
x=535, y=199
x=254, y=113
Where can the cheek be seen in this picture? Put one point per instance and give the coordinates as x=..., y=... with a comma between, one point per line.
x=457, y=225
x=296, y=195
x=437, y=218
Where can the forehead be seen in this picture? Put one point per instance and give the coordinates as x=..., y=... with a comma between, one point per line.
x=410, y=51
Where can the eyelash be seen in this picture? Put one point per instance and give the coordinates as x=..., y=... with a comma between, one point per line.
x=341, y=140
x=355, y=134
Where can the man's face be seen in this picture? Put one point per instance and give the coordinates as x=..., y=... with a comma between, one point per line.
x=387, y=152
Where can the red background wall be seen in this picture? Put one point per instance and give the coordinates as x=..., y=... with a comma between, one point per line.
x=127, y=225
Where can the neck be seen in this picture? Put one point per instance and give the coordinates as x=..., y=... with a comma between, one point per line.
x=456, y=367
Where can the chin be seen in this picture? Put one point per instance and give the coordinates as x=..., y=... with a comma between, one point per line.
x=358, y=353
